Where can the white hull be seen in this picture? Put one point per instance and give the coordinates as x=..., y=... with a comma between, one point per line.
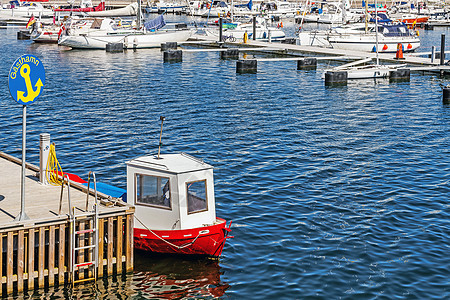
x=262, y=32
x=368, y=43
x=366, y=72
x=13, y=14
x=138, y=41
x=361, y=42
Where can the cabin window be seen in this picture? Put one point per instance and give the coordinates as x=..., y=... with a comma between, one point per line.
x=153, y=191
x=196, y=196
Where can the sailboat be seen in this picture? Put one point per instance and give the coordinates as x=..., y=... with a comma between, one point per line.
x=358, y=69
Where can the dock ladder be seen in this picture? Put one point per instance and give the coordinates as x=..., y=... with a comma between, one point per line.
x=84, y=242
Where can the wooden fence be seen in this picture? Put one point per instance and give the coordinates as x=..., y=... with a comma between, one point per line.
x=39, y=256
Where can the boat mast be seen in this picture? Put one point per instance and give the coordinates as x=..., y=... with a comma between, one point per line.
x=376, y=30
x=138, y=21
x=367, y=15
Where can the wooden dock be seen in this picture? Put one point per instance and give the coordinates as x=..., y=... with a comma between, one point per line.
x=39, y=252
x=416, y=61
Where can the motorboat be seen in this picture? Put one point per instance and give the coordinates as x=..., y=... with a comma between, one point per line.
x=236, y=30
x=360, y=37
x=174, y=201
x=17, y=10
x=214, y=8
x=281, y=9
x=329, y=13
x=159, y=7
x=45, y=34
x=96, y=33
x=389, y=36
x=263, y=31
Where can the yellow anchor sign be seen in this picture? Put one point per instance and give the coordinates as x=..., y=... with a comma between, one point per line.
x=26, y=79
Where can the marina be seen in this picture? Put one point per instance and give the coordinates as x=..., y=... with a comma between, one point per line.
x=330, y=189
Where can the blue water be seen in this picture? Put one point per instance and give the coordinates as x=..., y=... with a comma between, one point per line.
x=334, y=193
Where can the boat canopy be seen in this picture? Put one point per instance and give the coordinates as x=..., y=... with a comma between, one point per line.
x=394, y=30
x=174, y=191
x=155, y=24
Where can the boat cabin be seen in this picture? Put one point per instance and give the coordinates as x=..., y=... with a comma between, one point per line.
x=174, y=191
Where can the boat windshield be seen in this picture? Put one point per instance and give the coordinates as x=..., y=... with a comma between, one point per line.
x=394, y=30
x=196, y=196
x=153, y=191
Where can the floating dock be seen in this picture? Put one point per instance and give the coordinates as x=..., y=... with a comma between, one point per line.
x=59, y=243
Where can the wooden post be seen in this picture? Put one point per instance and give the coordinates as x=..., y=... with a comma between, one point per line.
x=110, y=246
x=51, y=256
x=220, y=30
x=30, y=259
x=129, y=242
x=20, y=260
x=41, y=257
x=62, y=253
x=442, y=49
x=101, y=245
x=9, y=263
x=119, y=245
x=254, y=28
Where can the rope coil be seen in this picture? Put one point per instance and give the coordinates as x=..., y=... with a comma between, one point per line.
x=53, y=168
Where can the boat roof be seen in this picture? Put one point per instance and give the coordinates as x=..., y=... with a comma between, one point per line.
x=171, y=163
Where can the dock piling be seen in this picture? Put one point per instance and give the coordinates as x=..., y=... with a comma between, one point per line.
x=335, y=78
x=446, y=95
x=400, y=75
x=23, y=35
x=232, y=53
x=114, y=47
x=246, y=66
x=254, y=28
x=307, y=64
x=433, y=53
x=442, y=49
x=169, y=46
x=173, y=56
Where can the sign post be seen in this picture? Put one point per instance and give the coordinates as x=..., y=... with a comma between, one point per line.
x=26, y=81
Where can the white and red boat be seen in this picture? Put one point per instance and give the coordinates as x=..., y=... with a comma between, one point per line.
x=174, y=203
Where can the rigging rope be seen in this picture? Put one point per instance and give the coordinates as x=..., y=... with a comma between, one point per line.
x=166, y=241
x=53, y=168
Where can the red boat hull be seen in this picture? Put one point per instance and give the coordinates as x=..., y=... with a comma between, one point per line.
x=206, y=240
x=417, y=21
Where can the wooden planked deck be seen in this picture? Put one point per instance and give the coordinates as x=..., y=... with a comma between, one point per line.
x=41, y=201
x=38, y=252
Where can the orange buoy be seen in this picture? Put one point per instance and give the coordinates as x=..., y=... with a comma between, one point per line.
x=281, y=25
x=399, y=54
x=385, y=47
x=409, y=46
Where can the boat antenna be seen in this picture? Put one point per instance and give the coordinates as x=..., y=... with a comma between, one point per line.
x=160, y=134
